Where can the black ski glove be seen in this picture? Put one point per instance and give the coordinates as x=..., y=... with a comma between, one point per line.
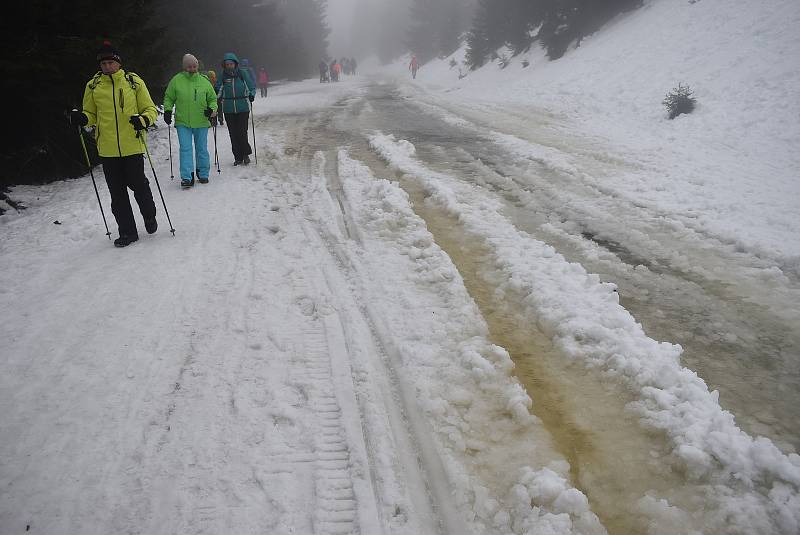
x=252, y=98
x=168, y=117
x=208, y=112
x=139, y=122
x=213, y=120
x=78, y=118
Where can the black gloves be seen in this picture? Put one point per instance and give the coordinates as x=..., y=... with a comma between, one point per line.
x=213, y=120
x=208, y=112
x=167, y=117
x=78, y=118
x=139, y=122
x=252, y=98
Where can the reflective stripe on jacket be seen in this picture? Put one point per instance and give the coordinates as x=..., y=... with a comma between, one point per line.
x=234, y=89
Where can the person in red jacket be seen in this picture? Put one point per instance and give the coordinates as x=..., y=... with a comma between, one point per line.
x=414, y=65
x=263, y=81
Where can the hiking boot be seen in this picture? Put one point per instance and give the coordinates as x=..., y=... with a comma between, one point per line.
x=237, y=162
x=186, y=183
x=246, y=160
x=203, y=180
x=151, y=225
x=125, y=240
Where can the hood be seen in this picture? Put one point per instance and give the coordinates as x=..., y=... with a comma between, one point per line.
x=230, y=56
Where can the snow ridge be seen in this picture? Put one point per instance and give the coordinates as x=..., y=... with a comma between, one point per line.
x=755, y=484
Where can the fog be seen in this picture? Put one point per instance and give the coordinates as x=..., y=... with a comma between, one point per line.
x=364, y=28
x=389, y=28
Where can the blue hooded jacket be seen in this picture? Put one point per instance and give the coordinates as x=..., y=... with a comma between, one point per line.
x=234, y=87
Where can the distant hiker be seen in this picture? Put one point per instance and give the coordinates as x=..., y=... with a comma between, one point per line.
x=353, y=65
x=195, y=102
x=212, y=77
x=414, y=66
x=334, y=70
x=248, y=69
x=323, y=72
x=235, y=88
x=263, y=81
x=119, y=105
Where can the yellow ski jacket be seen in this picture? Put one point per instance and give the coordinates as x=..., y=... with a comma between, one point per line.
x=109, y=101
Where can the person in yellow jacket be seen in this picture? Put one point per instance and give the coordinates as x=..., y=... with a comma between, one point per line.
x=118, y=104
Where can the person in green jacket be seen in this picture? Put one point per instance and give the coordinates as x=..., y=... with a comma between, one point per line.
x=195, y=103
x=119, y=105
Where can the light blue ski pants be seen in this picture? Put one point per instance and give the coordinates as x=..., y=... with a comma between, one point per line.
x=188, y=164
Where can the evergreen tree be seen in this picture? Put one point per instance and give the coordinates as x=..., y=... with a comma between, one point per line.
x=479, y=42
x=437, y=26
x=555, y=23
x=49, y=53
x=421, y=36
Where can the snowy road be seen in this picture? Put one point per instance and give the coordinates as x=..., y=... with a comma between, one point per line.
x=344, y=339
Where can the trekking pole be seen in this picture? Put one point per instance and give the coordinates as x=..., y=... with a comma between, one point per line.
x=147, y=150
x=169, y=135
x=216, y=154
x=91, y=173
x=253, y=122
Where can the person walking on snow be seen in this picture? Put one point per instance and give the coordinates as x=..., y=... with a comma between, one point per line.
x=235, y=88
x=119, y=105
x=323, y=72
x=248, y=69
x=263, y=81
x=414, y=66
x=195, y=103
x=332, y=70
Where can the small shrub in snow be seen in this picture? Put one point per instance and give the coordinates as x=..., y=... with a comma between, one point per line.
x=504, y=61
x=525, y=63
x=453, y=63
x=679, y=100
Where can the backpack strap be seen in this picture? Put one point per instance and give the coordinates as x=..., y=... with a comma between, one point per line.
x=129, y=76
x=131, y=80
x=95, y=81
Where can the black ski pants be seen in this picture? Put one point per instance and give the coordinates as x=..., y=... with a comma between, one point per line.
x=121, y=174
x=238, y=124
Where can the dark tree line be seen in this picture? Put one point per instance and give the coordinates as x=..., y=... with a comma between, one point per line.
x=49, y=49
x=437, y=27
x=553, y=23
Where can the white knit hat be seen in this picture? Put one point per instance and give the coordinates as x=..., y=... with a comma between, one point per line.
x=189, y=59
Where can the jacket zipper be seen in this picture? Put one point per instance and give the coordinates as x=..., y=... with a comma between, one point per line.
x=116, y=119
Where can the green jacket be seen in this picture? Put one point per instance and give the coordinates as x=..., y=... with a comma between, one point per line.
x=191, y=94
x=109, y=100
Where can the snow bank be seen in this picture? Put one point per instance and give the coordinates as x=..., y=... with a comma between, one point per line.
x=463, y=384
x=759, y=486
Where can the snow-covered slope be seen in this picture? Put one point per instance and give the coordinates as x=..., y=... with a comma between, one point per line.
x=731, y=168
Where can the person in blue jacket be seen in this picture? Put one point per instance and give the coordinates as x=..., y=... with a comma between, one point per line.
x=235, y=88
x=246, y=67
